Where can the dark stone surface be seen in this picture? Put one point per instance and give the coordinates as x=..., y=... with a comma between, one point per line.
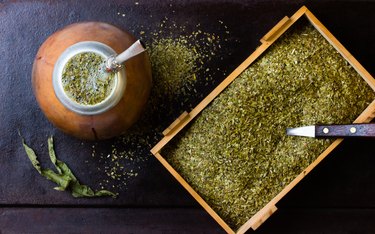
x=344, y=181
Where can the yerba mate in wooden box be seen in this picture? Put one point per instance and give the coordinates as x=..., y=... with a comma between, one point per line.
x=231, y=152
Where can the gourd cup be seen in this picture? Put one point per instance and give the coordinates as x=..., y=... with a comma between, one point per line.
x=126, y=99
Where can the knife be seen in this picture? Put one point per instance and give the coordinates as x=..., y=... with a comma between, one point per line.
x=334, y=131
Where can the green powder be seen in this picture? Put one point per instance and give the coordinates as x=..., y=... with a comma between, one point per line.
x=85, y=80
x=236, y=154
x=174, y=64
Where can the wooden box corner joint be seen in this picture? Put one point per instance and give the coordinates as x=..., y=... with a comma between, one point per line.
x=176, y=123
x=263, y=217
x=276, y=31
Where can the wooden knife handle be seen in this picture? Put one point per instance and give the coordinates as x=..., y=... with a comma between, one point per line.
x=349, y=130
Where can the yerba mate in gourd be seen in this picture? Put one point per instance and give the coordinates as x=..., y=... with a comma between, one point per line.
x=85, y=80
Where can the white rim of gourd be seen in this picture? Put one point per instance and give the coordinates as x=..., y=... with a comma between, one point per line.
x=110, y=101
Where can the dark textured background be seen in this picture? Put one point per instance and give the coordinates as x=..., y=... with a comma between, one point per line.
x=337, y=197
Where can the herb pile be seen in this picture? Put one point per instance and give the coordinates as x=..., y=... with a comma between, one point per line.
x=236, y=154
x=174, y=65
x=85, y=80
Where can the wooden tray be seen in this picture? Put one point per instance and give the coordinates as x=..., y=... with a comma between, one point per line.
x=367, y=115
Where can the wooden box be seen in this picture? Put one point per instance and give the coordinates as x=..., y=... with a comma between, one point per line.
x=255, y=221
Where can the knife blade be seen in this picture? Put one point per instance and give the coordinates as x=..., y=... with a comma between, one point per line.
x=334, y=131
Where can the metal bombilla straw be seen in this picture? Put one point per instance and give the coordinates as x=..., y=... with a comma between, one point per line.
x=115, y=62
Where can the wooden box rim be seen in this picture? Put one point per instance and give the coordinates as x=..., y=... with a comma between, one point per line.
x=366, y=116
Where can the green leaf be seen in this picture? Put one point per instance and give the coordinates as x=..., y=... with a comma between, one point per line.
x=32, y=156
x=65, y=169
x=82, y=190
x=105, y=193
x=52, y=154
x=85, y=191
x=60, y=179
